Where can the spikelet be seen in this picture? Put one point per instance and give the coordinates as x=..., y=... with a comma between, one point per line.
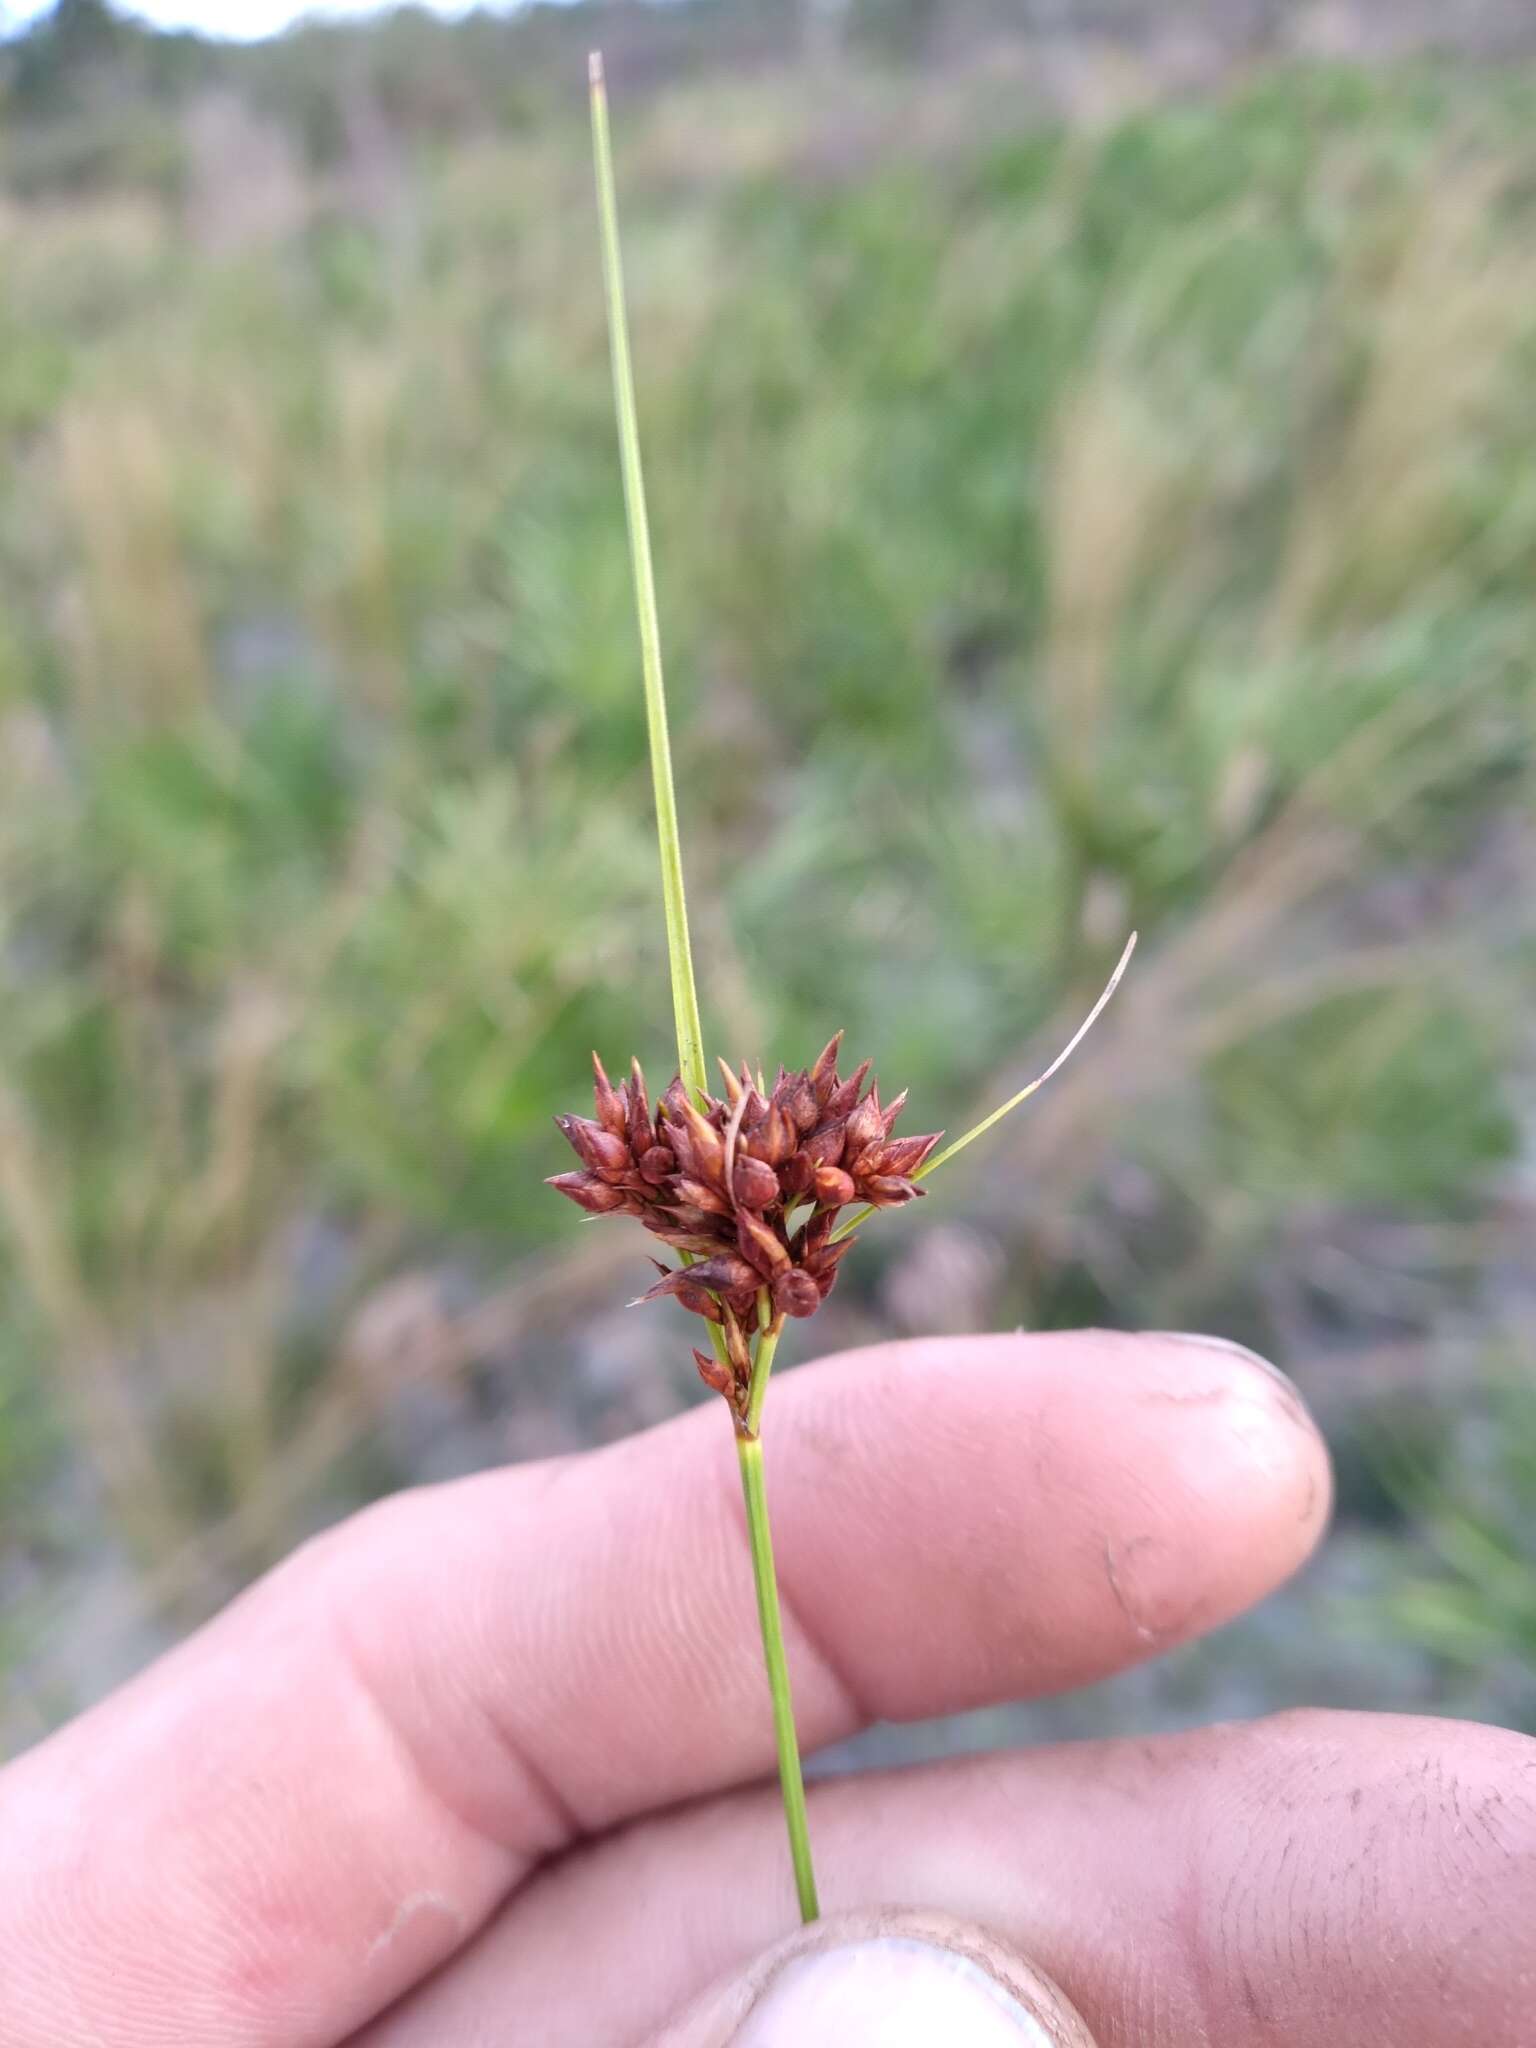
x=747, y=1185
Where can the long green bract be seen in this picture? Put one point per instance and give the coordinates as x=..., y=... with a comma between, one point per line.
x=685, y=998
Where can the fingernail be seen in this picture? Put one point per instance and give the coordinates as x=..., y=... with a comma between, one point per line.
x=1231, y=1348
x=890, y=1992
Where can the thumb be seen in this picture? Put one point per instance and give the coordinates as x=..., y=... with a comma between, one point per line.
x=889, y=1978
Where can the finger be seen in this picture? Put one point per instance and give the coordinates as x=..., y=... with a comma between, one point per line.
x=902, y=1978
x=1310, y=1880
x=313, y=1802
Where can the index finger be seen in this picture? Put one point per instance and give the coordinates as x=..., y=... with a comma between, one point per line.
x=274, y=1832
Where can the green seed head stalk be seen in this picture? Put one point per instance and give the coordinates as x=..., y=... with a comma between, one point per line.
x=755, y=1188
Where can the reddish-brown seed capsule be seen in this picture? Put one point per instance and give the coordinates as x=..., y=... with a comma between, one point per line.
x=887, y=1190
x=795, y=1293
x=834, y=1188
x=656, y=1164
x=755, y=1183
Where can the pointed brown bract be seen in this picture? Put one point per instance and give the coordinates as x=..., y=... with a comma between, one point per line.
x=699, y=1300
x=736, y=1347
x=588, y=1192
x=761, y=1244
x=846, y=1093
x=824, y=1147
x=865, y=1125
x=713, y=1373
x=730, y=1376
x=597, y=1149
x=747, y=1186
x=774, y=1139
x=899, y=1155
x=700, y=1195
x=797, y=1098
x=706, y=1144
x=612, y=1111
x=641, y=1136
x=823, y=1075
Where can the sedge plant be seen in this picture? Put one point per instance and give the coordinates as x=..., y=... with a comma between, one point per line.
x=760, y=1189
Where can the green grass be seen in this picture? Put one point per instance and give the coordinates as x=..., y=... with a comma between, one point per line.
x=1057, y=531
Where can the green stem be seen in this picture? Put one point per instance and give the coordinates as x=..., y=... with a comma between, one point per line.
x=685, y=999
x=762, y=1364
x=749, y=1453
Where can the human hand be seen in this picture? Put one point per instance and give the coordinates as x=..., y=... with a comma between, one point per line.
x=483, y=1765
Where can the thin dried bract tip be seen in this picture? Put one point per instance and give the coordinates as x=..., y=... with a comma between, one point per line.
x=594, y=67
x=1055, y=1067
x=852, y=1223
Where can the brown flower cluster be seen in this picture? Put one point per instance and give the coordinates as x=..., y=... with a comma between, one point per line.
x=749, y=1185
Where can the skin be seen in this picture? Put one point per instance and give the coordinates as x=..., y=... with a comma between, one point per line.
x=484, y=1765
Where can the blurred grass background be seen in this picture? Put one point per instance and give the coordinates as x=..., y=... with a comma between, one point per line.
x=1090, y=453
